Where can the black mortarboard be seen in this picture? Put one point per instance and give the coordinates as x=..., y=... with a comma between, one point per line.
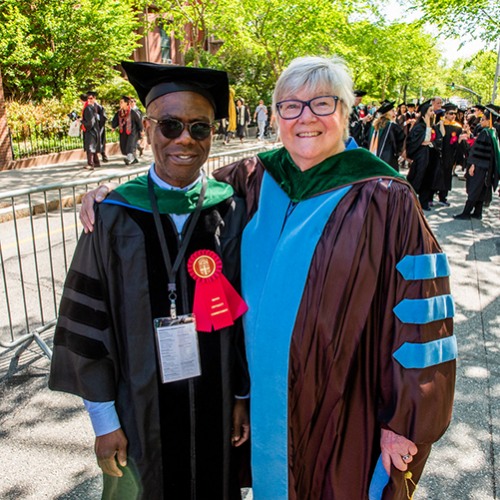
x=479, y=106
x=154, y=80
x=488, y=111
x=92, y=93
x=386, y=107
x=494, y=107
x=422, y=108
x=359, y=93
x=410, y=105
x=449, y=106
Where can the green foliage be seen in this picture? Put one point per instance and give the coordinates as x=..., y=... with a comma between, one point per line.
x=57, y=47
x=476, y=18
x=475, y=74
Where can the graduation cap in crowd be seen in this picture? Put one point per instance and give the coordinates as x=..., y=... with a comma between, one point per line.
x=491, y=112
x=493, y=107
x=359, y=93
x=449, y=106
x=152, y=80
x=385, y=107
x=410, y=105
x=91, y=93
x=424, y=107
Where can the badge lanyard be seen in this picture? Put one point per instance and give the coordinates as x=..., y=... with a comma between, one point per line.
x=190, y=225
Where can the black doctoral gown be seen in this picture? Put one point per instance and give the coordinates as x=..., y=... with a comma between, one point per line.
x=179, y=433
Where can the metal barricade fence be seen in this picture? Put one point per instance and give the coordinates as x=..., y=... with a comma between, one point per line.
x=39, y=231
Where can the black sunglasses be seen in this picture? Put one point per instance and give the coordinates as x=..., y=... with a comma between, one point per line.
x=172, y=128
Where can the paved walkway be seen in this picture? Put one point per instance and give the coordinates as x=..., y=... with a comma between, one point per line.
x=46, y=439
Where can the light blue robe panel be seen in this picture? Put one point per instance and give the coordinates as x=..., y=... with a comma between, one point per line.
x=277, y=249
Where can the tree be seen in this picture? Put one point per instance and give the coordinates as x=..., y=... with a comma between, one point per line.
x=476, y=18
x=52, y=47
x=475, y=74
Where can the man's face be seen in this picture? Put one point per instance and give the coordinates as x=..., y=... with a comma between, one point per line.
x=357, y=100
x=91, y=99
x=437, y=103
x=178, y=161
x=451, y=115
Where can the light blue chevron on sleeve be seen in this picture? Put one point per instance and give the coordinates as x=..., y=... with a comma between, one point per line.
x=424, y=267
x=413, y=355
x=422, y=311
x=379, y=481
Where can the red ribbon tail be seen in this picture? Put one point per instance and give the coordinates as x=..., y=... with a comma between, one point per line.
x=237, y=305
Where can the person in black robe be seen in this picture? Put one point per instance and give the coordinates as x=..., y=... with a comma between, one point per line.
x=450, y=150
x=159, y=440
x=419, y=142
x=91, y=131
x=386, y=136
x=359, y=127
x=129, y=125
x=483, y=166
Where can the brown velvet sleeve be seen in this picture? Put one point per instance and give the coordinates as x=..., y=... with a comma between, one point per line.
x=344, y=382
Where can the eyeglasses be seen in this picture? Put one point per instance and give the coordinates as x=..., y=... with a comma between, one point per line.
x=451, y=113
x=171, y=128
x=324, y=105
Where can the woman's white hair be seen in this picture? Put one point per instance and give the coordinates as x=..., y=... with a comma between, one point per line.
x=317, y=74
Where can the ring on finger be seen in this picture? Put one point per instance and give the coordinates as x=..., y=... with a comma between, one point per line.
x=406, y=457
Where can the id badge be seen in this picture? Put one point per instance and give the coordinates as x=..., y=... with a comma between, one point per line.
x=178, y=350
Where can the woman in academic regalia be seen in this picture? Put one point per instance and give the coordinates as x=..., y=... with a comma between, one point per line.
x=420, y=140
x=386, y=136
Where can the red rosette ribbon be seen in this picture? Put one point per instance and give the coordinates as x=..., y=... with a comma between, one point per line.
x=216, y=303
x=433, y=135
x=453, y=138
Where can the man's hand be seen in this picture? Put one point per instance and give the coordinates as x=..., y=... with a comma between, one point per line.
x=87, y=215
x=110, y=449
x=241, y=426
x=472, y=169
x=397, y=450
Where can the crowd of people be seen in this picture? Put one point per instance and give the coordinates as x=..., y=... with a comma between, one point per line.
x=435, y=141
x=342, y=338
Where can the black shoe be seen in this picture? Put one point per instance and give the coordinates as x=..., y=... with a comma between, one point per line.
x=462, y=216
x=135, y=160
x=126, y=162
x=105, y=159
x=476, y=216
x=427, y=208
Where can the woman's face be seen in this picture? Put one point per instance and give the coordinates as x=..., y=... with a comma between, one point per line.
x=310, y=139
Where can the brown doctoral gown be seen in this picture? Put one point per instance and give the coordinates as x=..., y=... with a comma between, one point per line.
x=344, y=381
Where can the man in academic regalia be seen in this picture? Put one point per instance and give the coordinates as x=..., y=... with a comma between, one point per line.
x=163, y=396
x=483, y=168
x=358, y=127
x=91, y=126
